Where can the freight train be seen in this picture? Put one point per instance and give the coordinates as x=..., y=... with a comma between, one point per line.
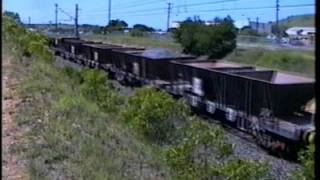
x=265, y=103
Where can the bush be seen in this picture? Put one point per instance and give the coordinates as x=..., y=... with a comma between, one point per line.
x=306, y=157
x=143, y=27
x=136, y=33
x=152, y=114
x=30, y=44
x=198, y=142
x=97, y=89
x=216, y=41
x=240, y=169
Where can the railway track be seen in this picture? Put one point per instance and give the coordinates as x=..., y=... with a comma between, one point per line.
x=248, y=138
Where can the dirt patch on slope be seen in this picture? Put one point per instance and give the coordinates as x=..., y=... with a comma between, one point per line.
x=13, y=165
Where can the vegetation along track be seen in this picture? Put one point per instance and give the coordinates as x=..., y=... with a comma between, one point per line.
x=77, y=135
x=244, y=145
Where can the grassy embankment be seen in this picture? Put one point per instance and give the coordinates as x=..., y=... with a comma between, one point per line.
x=297, y=61
x=80, y=128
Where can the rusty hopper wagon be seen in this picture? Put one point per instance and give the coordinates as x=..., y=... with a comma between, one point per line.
x=264, y=102
x=144, y=66
x=97, y=55
x=73, y=47
x=57, y=44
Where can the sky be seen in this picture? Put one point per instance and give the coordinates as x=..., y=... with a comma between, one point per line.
x=154, y=12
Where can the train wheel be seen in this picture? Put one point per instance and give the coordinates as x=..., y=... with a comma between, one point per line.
x=262, y=138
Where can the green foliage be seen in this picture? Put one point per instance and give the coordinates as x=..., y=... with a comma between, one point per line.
x=197, y=135
x=96, y=87
x=29, y=43
x=143, y=27
x=216, y=41
x=307, y=169
x=71, y=137
x=306, y=20
x=136, y=33
x=295, y=61
x=151, y=114
x=241, y=169
x=14, y=16
x=115, y=25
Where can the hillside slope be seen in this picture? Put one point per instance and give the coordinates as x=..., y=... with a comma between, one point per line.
x=307, y=20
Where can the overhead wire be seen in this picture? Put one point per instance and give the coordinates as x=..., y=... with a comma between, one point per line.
x=220, y=10
x=164, y=8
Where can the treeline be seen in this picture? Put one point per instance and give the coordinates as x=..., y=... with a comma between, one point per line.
x=81, y=128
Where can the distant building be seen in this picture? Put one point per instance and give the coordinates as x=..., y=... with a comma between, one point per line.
x=208, y=23
x=261, y=28
x=176, y=24
x=302, y=35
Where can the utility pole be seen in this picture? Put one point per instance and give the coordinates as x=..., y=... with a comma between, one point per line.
x=76, y=22
x=29, y=20
x=169, y=12
x=56, y=12
x=277, y=20
x=257, y=24
x=109, y=12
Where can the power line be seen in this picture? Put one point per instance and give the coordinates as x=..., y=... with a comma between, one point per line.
x=126, y=7
x=163, y=8
x=207, y=3
x=220, y=10
x=66, y=13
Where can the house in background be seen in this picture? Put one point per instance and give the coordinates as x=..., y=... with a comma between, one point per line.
x=302, y=35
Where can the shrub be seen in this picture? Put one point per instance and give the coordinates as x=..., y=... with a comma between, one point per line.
x=30, y=44
x=306, y=157
x=152, y=114
x=241, y=169
x=216, y=41
x=143, y=27
x=136, y=33
x=199, y=142
x=96, y=88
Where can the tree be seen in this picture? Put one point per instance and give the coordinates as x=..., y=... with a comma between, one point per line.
x=116, y=25
x=143, y=27
x=13, y=15
x=215, y=40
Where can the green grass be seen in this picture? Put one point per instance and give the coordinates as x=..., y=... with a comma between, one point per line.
x=74, y=136
x=299, y=20
x=296, y=61
x=137, y=41
x=301, y=62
